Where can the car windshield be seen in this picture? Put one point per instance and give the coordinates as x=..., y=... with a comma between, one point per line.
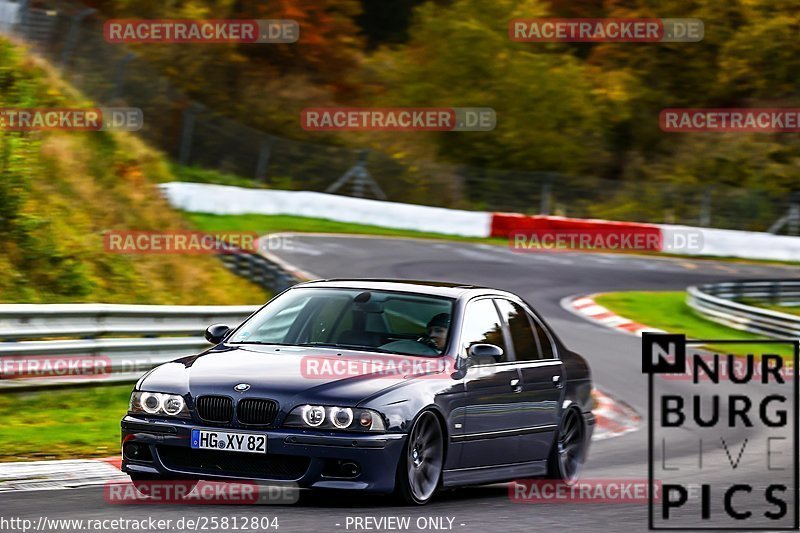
x=371, y=320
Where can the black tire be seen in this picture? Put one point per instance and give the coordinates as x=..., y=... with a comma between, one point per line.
x=419, y=472
x=144, y=483
x=569, y=450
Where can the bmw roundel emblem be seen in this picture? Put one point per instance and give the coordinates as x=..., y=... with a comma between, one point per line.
x=241, y=387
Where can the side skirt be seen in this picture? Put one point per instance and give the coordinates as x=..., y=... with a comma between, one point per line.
x=480, y=475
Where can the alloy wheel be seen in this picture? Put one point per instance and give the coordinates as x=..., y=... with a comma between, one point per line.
x=570, y=448
x=425, y=456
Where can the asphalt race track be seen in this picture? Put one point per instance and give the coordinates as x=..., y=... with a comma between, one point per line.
x=541, y=278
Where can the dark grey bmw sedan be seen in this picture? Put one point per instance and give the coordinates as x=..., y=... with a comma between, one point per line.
x=387, y=386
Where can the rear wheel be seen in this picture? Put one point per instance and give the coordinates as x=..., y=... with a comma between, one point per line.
x=568, y=452
x=420, y=470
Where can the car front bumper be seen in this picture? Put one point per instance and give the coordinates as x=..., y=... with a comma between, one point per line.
x=305, y=458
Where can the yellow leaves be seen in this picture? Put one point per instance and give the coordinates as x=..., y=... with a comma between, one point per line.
x=81, y=184
x=614, y=85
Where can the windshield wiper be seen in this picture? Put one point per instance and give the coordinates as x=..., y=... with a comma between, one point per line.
x=346, y=346
x=262, y=343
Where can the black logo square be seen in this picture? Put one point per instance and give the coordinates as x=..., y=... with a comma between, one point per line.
x=663, y=353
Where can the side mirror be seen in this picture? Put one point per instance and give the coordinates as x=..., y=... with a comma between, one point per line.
x=485, y=354
x=214, y=334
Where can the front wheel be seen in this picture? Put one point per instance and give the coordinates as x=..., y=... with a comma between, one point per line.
x=420, y=470
x=568, y=453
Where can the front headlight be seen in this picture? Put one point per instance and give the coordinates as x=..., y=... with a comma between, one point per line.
x=327, y=417
x=157, y=403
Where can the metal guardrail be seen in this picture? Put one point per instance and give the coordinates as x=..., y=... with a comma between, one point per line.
x=41, y=321
x=39, y=334
x=126, y=340
x=716, y=301
x=260, y=270
x=777, y=292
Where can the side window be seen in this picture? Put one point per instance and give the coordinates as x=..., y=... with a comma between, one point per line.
x=544, y=339
x=525, y=346
x=482, y=325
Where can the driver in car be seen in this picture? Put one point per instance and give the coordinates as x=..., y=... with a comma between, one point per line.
x=431, y=343
x=438, y=326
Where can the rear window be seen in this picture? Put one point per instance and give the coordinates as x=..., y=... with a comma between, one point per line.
x=526, y=347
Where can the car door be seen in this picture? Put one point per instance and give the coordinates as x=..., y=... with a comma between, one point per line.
x=492, y=393
x=542, y=378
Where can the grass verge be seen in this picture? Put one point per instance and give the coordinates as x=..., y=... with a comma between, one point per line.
x=288, y=223
x=61, y=191
x=62, y=423
x=279, y=223
x=668, y=311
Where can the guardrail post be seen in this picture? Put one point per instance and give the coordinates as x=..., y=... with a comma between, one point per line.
x=263, y=161
x=72, y=36
x=547, y=188
x=705, y=207
x=187, y=133
x=119, y=75
x=360, y=177
x=794, y=214
x=791, y=219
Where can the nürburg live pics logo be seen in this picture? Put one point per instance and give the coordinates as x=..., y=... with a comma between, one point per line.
x=723, y=442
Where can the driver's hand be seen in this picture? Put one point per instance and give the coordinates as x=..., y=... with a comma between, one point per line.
x=429, y=342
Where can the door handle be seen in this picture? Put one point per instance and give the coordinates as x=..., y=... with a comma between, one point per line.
x=515, y=386
x=557, y=382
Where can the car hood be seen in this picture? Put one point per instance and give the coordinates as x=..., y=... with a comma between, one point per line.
x=292, y=375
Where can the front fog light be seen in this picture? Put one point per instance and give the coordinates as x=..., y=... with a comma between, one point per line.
x=151, y=402
x=313, y=415
x=341, y=417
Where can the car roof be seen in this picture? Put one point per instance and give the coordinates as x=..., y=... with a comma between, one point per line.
x=434, y=288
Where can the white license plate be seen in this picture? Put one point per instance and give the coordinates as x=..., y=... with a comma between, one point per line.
x=228, y=441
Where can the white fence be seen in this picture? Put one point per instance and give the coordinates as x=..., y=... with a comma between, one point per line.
x=734, y=243
x=226, y=200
